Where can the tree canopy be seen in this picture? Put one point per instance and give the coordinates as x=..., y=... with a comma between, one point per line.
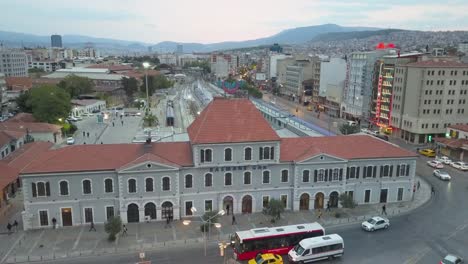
x=113, y=227
x=130, y=86
x=274, y=209
x=48, y=103
x=76, y=85
x=205, y=65
x=155, y=83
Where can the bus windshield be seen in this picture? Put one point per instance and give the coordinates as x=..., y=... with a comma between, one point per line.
x=237, y=245
x=299, y=250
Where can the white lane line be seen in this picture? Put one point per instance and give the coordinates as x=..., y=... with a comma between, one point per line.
x=415, y=259
x=12, y=247
x=36, y=242
x=78, y=238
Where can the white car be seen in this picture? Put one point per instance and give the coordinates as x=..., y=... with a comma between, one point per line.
x=70, y=141
x=443, y=175
x=79, y=118
x=444, y=160
x=460, y=165
x=72, y=119
x=435, y=164
x=451, y=259
x=375, y=223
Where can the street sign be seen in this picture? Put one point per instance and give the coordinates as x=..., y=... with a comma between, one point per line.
x=142, y=255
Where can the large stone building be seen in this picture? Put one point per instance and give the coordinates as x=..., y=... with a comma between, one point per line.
x=233, y=158
x=429, y=96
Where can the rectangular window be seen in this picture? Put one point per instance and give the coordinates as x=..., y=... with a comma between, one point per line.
x=284, y=176
x=321, y=175
x=228, y=179
x=43, y=218
x=208, y=205
x=247, y=177
x=88, y=212
x=109, y=212
x=305, y=175
x=367, y=196
x=336, y=174
x=284, y=200
x=208, y=180
x=400, y=194
x=266, y=201
x=188, y=207
x=266, y=177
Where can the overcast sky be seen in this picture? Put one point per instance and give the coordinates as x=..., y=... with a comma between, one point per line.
x=208, y=21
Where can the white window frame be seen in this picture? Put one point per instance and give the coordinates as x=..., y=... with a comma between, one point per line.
x=263, y=197
x=39, y=217
x=45, y=189
x=204, y=205
x=370, y=196
x=185, y=181
x=204, y=179
x=403, y=169
x=302, y=176
x=243, y=178
x=154, y=187
x=204, y=149
x=105, y=211
x=232, y=178
x=269, y=177
x=104, y=182
x=281, y=175
x=335, y=176
x=232, y=154
x=352, y=176
x=251, y=153
x=128, y=185
x=90, y=185
x=402, y=194
x=60, y=190
x=388, y=171
x=320, y=175
x=84, y=214
x=162, y=183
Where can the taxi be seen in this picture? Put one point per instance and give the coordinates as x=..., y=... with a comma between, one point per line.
x=427, y=152
x=266, y=258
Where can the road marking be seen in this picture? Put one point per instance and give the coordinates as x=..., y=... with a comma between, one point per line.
x=78, y=238
x=35, y=243
x=418, y=256
x=12, y=247
x=457, y=231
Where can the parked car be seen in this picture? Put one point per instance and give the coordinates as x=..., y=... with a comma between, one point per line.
x=444, y=160
x=451, y=259
x=72, y=119
x=138, y=114
x=266, y=258
x=435, y=164
x=460, y=165
x=79, y=118
x=70, y=141
x=427, y=152
x=443, y=175
x=375, y=223
x=95, y=111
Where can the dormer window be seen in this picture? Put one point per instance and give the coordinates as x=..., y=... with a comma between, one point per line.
x=206, y=155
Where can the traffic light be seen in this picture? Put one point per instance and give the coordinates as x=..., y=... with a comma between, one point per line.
x=429, y=138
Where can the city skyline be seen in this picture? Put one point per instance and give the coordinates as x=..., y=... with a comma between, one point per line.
x=207, y=21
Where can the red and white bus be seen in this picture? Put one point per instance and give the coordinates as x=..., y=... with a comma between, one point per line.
x=277, y=240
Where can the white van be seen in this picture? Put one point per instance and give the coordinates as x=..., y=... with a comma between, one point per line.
x=317, y=248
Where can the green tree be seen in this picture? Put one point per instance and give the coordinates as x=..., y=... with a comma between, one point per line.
x=347, y=129
x=204, y=65
x=150, y=120
x=274, y=209
x=130, y=86
x=113, y=227
x=347, y=201
x=23, y=102
x=155, y=83
x=49, y=103
x=76, y=85
x=214, y=216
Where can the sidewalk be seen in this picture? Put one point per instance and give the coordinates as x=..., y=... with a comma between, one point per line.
x=48, y=244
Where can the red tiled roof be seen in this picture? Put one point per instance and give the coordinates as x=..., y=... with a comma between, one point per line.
x=23, y=117
x=462, y=127
x=19, y=83
x=230, y=120
x=454, y=143
x=22, y=157
x=438, y=64
x=110, y=157
x=84, y=102
x=34, y=127
x=345, y=147
x=7, y=175
x=117, y=67
x=7, y=136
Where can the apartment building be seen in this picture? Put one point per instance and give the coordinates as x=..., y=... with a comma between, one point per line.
x=429, y=96
x=13, y=62
x=332, y=81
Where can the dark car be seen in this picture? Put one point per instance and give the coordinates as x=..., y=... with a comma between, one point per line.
x=384, y=137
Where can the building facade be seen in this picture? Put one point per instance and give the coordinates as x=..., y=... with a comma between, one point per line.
x=56, y=41
x=455, y=143
x=233, y=158
x=332, y=81
x=429, y=96
x=13, y=62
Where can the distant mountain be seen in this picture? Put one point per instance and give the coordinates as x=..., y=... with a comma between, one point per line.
x=337, y=36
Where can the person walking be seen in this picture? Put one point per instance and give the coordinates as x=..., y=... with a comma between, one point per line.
x=227, y=209
x=328, y=207
x=87, y=134
x=124, y=230
x=122, y=122
x=319, y=214
x=54, y=222
x=15, y=224
x=384, y=209
x=92, y=227
x=167, y=222
x=432, y=190
x=419, y=185
x=234, y=220
x=84, y=133
x=9, y=226
x=113, y=124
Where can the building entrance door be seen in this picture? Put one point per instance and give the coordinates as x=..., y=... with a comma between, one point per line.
x=67, y=217
x=247, y=204
x=383, y=195
x=133, y=214
x=304, y=202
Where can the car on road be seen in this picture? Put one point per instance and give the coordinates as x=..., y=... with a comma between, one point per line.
x=70, y=141
x=266, y=258
x=375, y=223
x=460, y=165
x=451, y=259
x=435, y=164
x=72, y=119
x=444, y=160
x=138, y=114
x=443, y=175
x=427, y=152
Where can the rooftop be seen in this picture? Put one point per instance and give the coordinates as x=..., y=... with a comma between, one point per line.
x=438, y=64
x=85, y=102
x=19, y=83
x=93, y=76
x=7, y=136
x=462, y=127
x=230, y=120
x=33, y=127
x=84, y=70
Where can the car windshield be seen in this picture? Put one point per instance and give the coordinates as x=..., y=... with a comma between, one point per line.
x=259, y=259
x=299, y=250
x=371, y=221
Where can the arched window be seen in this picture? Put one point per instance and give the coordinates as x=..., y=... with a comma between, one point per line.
x=247, y=177
x=228, y=179
x=206, y=155
x=132, y=186
x=266, y=176
x=188, y=181
x=87, y=187
x=149, y=186
x=284, y=176
x=166, y=184
x=228, y=154
x=208, y=180
x=248, y=153
x=63, y=188
x=108, y=186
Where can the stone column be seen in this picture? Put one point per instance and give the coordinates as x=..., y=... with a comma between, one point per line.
x=141, y=212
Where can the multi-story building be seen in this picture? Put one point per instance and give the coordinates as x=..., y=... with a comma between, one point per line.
x=56, y=41
x=382, y=87
x=272, y=64
x=332, y=80
x=281, y=65
x=3, y=94
x=223, y=64
x=233, y=158
x=429, y=96
x=13, y=62
x=463, y=47
x=45, y=65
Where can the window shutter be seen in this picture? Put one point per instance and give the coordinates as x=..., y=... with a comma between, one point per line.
x=272, y=153
x=330, y=173
x=202, y=155
x=391, y=171
x=374, y=172
x=326, y=175
x=341, y=174
x=364, y=173
x=261, y=153
x=357, y=172
x=47, y=186
x=398, y=170
x=381, y=171
x=347, y=173
x=315, y=175
x=407, y=170
x=34, y=190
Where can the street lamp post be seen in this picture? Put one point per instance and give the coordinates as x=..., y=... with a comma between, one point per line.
x=204, y=222
x=146, y=65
